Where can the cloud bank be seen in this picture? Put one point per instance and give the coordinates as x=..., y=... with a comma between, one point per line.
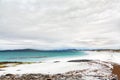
x=59, y=24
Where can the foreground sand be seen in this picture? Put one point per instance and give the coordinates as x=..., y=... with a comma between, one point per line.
x=85, y=70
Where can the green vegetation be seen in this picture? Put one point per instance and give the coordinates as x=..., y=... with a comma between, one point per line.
x=13, y=64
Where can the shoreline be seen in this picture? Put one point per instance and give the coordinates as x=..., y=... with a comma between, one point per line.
x=96, y=60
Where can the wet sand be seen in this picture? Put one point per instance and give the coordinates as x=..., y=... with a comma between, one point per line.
x=116, y=70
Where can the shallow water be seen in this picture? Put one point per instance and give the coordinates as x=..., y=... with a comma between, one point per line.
x=32, y=56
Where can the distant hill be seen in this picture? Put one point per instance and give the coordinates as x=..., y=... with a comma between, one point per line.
x=62, y=50
x=35, y=50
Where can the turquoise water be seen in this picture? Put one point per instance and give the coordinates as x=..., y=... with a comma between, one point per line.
x=36, y=56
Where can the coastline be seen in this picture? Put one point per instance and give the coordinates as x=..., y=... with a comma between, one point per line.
x=71, y=65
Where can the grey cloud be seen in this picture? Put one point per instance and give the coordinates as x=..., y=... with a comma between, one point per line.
x=52, y=24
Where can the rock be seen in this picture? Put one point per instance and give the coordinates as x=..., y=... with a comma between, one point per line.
x=52, y=77
x=56, y=61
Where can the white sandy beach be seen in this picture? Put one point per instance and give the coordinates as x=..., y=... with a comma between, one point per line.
x=50, y=67
x=102, y=56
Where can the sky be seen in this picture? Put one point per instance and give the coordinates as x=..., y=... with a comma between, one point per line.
x=59, y=24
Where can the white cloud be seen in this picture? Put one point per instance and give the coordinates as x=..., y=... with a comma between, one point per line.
x=54, y=24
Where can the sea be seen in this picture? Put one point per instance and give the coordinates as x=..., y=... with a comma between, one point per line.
x=37, y=56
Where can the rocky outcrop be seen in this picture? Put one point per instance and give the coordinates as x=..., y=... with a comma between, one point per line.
x=73, y=75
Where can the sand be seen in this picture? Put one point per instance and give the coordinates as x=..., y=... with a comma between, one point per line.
x=116, y=70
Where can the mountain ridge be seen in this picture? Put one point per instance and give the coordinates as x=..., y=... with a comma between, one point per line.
x=60, y=50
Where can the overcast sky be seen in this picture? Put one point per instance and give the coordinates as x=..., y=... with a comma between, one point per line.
x=59, y=24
